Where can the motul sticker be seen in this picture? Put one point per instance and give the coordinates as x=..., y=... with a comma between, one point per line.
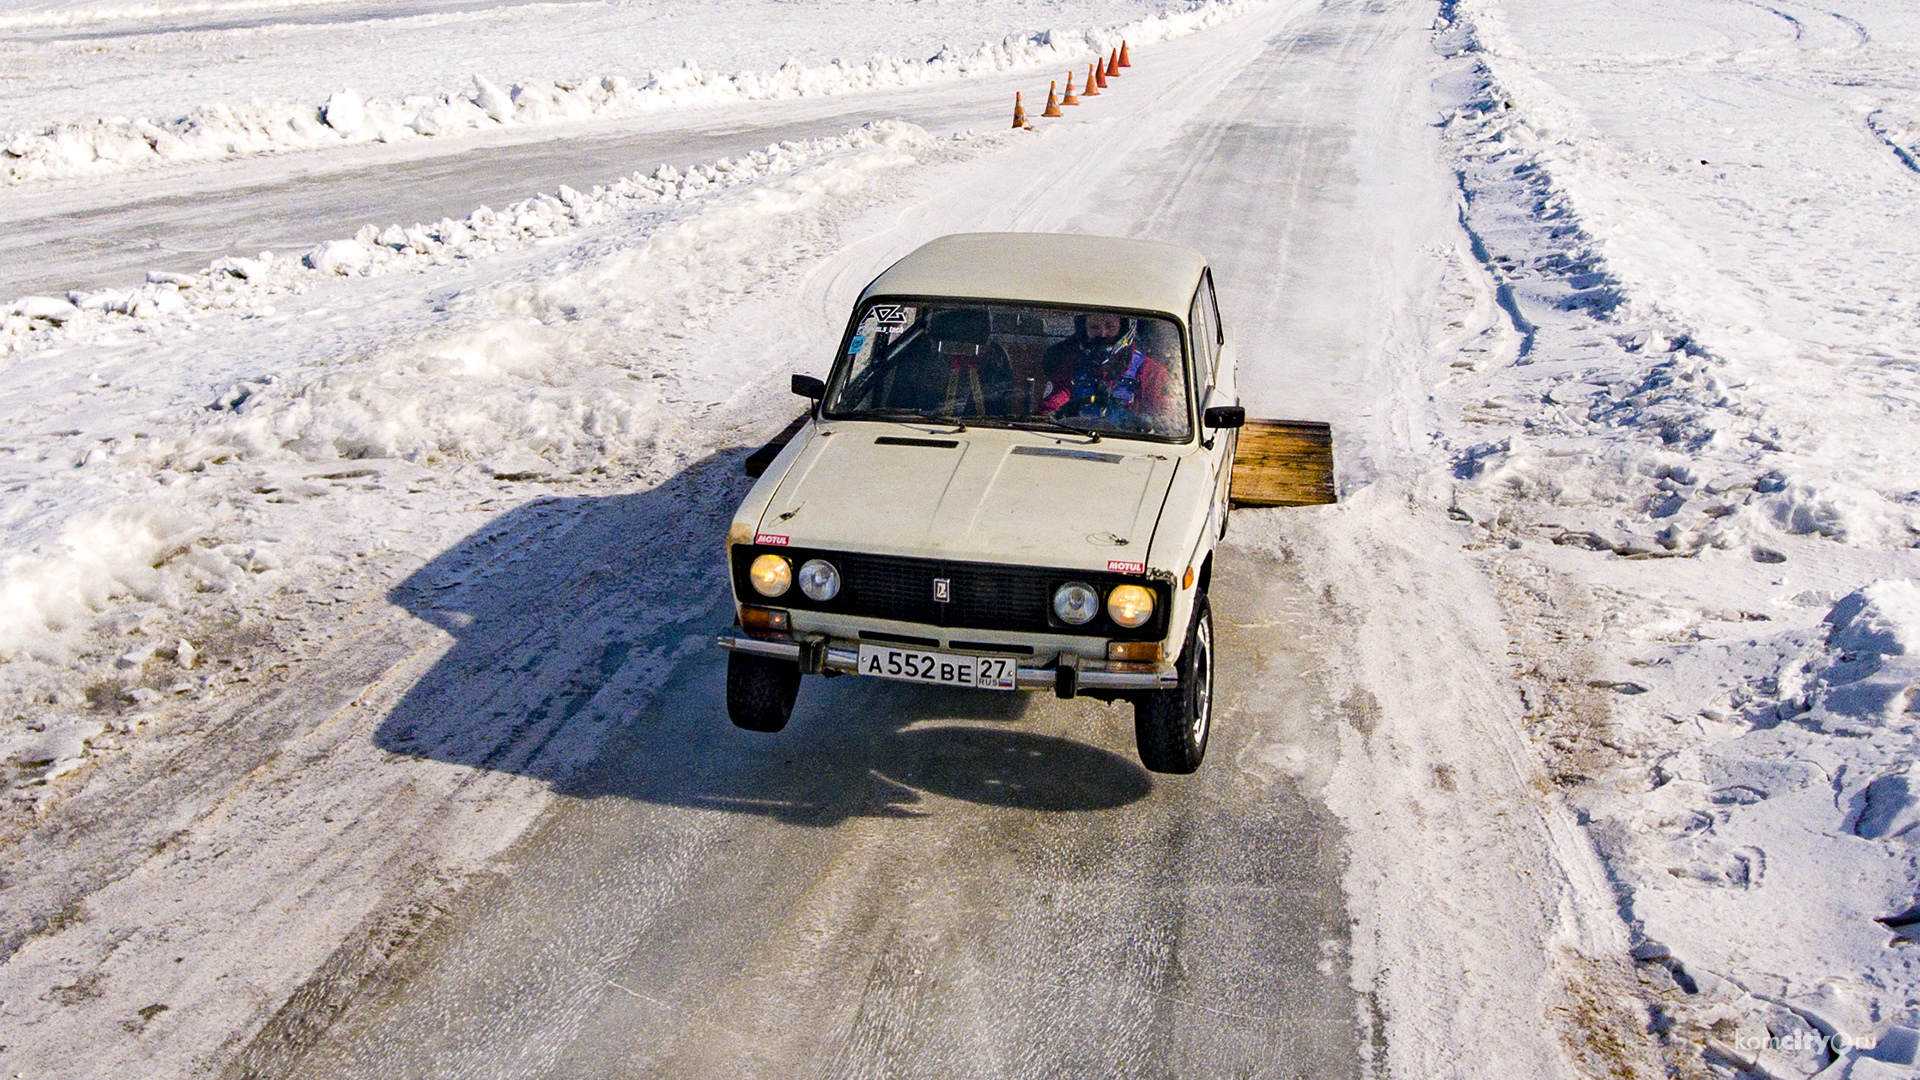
x=771, y=540
x=1118, y=567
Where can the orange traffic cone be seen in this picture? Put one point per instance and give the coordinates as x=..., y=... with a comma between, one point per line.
x=1113, y=64
x=1099, y=74
x=1071, y=98
x=1019, y=112
x=1091, y=90
x=1053, y=103
x=1124, y=62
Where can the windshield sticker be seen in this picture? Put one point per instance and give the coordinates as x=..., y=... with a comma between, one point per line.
x=892, y=316
x=1118, y=567
x=859, y=342
x=770, y=539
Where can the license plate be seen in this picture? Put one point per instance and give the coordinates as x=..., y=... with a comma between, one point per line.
x=938, y=668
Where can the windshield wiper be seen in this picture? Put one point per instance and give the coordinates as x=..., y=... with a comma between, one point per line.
x=1038, y=424
x=901, y=416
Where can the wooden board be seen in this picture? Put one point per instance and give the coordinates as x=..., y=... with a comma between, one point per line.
x=1283, y=463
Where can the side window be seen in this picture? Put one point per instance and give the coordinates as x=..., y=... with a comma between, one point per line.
x=1213, y=310
x=1205, y=349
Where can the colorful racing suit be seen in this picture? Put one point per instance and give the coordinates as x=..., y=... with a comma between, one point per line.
x=1136, y=383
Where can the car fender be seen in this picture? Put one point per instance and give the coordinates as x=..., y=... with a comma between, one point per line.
x=1183, y=539
x=748, y=516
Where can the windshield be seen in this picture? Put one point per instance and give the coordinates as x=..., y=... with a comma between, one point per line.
x=1114, y=373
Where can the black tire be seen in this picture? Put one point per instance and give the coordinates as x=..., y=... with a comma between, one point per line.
x=1171, y=726
x=761, y=691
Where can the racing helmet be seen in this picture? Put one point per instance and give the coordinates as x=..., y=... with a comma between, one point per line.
x=1103, y=350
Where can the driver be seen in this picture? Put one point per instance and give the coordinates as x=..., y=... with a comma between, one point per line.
x=1101, y=370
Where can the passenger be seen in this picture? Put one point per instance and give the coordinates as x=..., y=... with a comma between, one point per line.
x=1104, y=371
x=954, y=369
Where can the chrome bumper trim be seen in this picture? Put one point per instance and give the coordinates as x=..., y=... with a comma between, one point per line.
x=1092, y=674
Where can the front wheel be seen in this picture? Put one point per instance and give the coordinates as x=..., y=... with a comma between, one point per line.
x=1171, y=726
x=761, y=691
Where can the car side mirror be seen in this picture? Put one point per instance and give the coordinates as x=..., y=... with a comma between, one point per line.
x=1226, y=416
x=807, y=386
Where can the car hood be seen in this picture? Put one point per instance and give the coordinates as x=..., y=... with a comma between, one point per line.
x=983, y=495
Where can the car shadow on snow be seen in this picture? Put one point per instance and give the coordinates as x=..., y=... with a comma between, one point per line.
x=582, y=655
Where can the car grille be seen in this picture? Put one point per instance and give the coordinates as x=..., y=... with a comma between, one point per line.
x=1003, y=597
x=984, y=596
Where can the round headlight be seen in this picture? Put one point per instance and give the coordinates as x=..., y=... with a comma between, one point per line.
x=819, y=580
x=1130, y=605
x=771, y=575
x=1076, y=603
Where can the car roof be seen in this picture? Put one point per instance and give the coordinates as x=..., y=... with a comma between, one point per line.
x=1049, y=268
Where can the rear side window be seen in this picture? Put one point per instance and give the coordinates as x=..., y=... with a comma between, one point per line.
x=1213, y=309
x=1206, y=335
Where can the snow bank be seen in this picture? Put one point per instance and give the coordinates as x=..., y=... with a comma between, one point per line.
x=540, y=380
x=524, y=383
x=1766, y=873
x=246, y=286
x=141, y=552
x=222, y=131
x=206, y=530
x=1685, y=405
x=1683, y=445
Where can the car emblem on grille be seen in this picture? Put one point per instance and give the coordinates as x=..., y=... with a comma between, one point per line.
x=942, y=590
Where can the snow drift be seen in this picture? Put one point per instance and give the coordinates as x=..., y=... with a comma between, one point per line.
x=225, y=130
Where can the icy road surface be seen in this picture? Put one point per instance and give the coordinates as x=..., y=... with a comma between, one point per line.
x=906, y=882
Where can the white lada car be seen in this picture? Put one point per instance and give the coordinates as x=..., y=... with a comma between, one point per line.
x=1013, y=478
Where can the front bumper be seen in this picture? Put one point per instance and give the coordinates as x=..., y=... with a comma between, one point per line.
x=1069, y=676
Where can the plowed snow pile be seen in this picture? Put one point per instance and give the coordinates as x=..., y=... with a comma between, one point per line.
x=186, y=492
x=1689, y=459
x=292, y=76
